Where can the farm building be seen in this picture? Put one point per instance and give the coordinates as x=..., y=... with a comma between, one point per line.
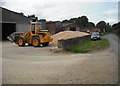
x=13, y=22
x=42, y=23
x=54, y=27
x=71, y=27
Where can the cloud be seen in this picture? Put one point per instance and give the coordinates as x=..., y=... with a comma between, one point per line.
x=119, y=11
x=111, y=15
x=60, y=10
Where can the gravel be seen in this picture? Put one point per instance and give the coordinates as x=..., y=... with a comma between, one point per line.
x=29, y=65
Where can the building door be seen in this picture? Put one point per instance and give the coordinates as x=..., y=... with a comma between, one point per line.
x=72, y=29
x=7, y=29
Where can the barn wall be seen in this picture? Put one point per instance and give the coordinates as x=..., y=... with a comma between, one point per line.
x=59, y=26
x=77, y=29
x=67, y=28
x=12, y=21
x=42, y=25
x=51, y=27
x=22, y=27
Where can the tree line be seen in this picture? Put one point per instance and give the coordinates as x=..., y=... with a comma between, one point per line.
x=83, y=22
x=116, y=28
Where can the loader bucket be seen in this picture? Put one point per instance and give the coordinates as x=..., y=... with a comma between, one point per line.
x=14, y=37
x=10, y=38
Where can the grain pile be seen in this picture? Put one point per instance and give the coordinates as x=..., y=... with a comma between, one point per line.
x=67, y=35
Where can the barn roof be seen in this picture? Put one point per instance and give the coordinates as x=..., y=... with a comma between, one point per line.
x=9, y=16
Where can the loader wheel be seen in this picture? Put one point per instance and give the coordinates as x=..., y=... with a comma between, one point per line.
x=21, y=41
x=36, y=42
x=45, y=44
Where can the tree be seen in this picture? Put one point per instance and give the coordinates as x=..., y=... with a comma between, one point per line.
x=101, y=25
x=65, y=21
x=118, y=32
x=83, y=20
x=108, y=27
x=73, y=20
x=33, y=17
x=90, y=24
x=116, y=28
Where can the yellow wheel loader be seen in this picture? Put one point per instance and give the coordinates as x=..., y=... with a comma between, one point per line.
x=34, y=37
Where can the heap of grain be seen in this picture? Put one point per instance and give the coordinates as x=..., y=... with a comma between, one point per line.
x=67, y=35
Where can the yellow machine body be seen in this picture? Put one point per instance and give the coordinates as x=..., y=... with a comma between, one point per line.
x=35, y=35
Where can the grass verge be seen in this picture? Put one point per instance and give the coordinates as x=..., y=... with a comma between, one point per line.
x=90, y=46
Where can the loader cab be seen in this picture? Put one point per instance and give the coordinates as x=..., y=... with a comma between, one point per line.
x=34, y=27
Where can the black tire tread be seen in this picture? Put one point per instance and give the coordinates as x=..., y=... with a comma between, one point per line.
x=24, y=41
x=38, y=41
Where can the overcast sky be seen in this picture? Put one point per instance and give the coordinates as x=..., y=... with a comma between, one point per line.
x=54, y=10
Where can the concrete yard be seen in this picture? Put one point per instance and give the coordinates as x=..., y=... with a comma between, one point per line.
x=29, y=65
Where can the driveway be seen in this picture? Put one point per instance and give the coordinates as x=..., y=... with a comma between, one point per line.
x=29, y=65
x=114, y=41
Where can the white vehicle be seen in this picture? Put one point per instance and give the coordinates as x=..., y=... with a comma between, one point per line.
x=95, y=36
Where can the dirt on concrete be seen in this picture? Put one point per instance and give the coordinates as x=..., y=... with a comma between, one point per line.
x=29, y=65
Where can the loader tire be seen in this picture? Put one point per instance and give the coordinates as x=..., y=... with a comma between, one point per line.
x=36, y=41
x=45, y=44
x=21, y=41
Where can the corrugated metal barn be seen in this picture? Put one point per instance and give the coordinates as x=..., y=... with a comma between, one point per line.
x=13, y=22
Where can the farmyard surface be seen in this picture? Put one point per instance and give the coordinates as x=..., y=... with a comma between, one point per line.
x=29, y=65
